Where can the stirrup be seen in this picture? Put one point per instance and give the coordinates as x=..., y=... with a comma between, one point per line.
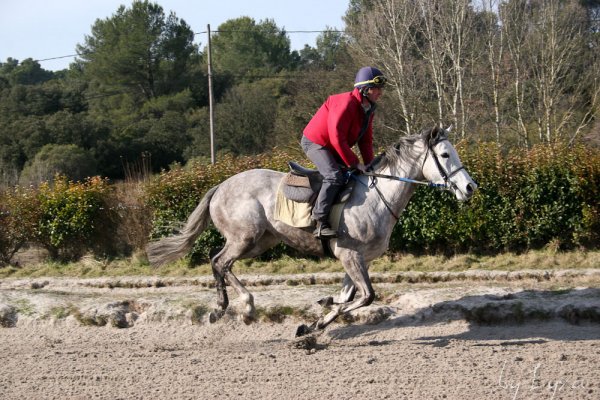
x=324, y=231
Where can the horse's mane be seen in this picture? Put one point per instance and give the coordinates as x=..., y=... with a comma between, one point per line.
x=403, y=150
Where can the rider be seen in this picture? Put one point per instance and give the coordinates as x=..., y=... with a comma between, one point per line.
x=344, y=120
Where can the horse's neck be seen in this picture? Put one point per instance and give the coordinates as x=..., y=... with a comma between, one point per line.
x=398, y=194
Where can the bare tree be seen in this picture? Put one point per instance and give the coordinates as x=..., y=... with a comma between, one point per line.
x=552, y=48
x=494, y=44
x=530, y=61
x=547, y=44
x=458, y=31
x=384, y=36
x=433, y=51
x=448, y=32
x=513, y=17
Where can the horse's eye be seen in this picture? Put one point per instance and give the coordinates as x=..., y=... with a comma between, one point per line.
x=445, y=155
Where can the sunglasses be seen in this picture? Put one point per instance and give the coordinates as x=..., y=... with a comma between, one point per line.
x=378, y=81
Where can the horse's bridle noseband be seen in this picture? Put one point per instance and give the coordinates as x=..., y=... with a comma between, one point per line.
x=446, y=175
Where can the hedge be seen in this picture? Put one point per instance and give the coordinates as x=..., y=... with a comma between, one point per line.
x=174, y=194
x=527, y=199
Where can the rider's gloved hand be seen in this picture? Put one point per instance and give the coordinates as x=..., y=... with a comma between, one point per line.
x=361, y=167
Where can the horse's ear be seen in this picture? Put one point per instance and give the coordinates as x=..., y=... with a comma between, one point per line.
x=432, y=135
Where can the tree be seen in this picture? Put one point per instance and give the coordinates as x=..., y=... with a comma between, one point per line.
x=448, y=32
x=64, y=127
x=66, y=159
x=331, y=51
x=554, y=67
x=250, y=51
x=139, y=50
x=157, y=131
x=494, y=43
x=557, y=41
x=28, y=72
x=384, y=34
x=244, y=125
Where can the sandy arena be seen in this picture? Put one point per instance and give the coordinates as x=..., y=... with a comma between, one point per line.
x=524, y=335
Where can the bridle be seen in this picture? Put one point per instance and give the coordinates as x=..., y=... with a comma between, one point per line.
x=447, y=185
x=446, y=175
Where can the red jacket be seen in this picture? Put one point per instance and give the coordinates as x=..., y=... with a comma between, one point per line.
x=336, y=126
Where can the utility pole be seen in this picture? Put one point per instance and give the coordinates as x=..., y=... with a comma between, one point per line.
x=210, y=102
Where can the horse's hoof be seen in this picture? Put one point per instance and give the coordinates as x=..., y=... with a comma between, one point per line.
x=248, y=319
x=326, y=301
x=214, y=316
x=303, y=330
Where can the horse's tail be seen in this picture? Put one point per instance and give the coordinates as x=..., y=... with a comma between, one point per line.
x=172, y=248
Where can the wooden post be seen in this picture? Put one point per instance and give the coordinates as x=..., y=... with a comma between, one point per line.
x=210, y=102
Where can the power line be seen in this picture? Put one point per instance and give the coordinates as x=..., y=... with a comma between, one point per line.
x=56, y=58
x=284, y=31
x=202, y=33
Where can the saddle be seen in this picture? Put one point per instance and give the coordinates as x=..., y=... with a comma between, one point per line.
x=303, y=184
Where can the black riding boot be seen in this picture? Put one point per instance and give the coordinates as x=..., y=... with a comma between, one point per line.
x=324, y=230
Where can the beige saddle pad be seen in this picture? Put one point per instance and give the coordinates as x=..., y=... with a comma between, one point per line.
x=298, y=214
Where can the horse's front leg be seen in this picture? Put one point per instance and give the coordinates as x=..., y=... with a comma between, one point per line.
x=356, y=270
x=348, y=290
x=346, y=294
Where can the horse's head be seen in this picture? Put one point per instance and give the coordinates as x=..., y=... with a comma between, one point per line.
x=442, y=165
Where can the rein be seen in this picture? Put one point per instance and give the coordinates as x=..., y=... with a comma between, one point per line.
x=407, y=180
x=387, y=204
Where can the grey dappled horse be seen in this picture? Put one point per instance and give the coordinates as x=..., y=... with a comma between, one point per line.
x=242, y=209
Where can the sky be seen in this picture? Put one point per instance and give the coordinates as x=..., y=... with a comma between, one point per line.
x=42, y=29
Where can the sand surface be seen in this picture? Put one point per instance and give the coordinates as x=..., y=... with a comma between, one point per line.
x=149, y=338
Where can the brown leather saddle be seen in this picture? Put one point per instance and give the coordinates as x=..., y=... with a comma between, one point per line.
x=302, y=185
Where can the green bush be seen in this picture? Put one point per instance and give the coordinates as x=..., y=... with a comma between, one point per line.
x=69, y=215
x=527, y=199
x=174, y=194
x=19, y=211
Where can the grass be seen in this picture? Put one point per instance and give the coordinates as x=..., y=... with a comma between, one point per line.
x=88, y=267
x=278, y=314
x=61, y=312
x=198, y=311
x=24, y=306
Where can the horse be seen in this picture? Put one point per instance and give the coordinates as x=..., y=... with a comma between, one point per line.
x=242, y=210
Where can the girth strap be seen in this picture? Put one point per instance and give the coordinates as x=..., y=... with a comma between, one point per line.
x=326, y=243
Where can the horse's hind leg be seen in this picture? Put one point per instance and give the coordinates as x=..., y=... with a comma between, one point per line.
x=221, y=266
x=222, y=299
x=249, y=311
x=348, y=290
x=223, y=262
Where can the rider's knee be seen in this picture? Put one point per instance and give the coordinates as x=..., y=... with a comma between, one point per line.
x=334, y=178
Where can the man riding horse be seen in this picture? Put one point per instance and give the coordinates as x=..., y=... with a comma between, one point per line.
x=344, y=120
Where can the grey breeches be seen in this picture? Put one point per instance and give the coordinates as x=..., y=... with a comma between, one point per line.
x=333, y=177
